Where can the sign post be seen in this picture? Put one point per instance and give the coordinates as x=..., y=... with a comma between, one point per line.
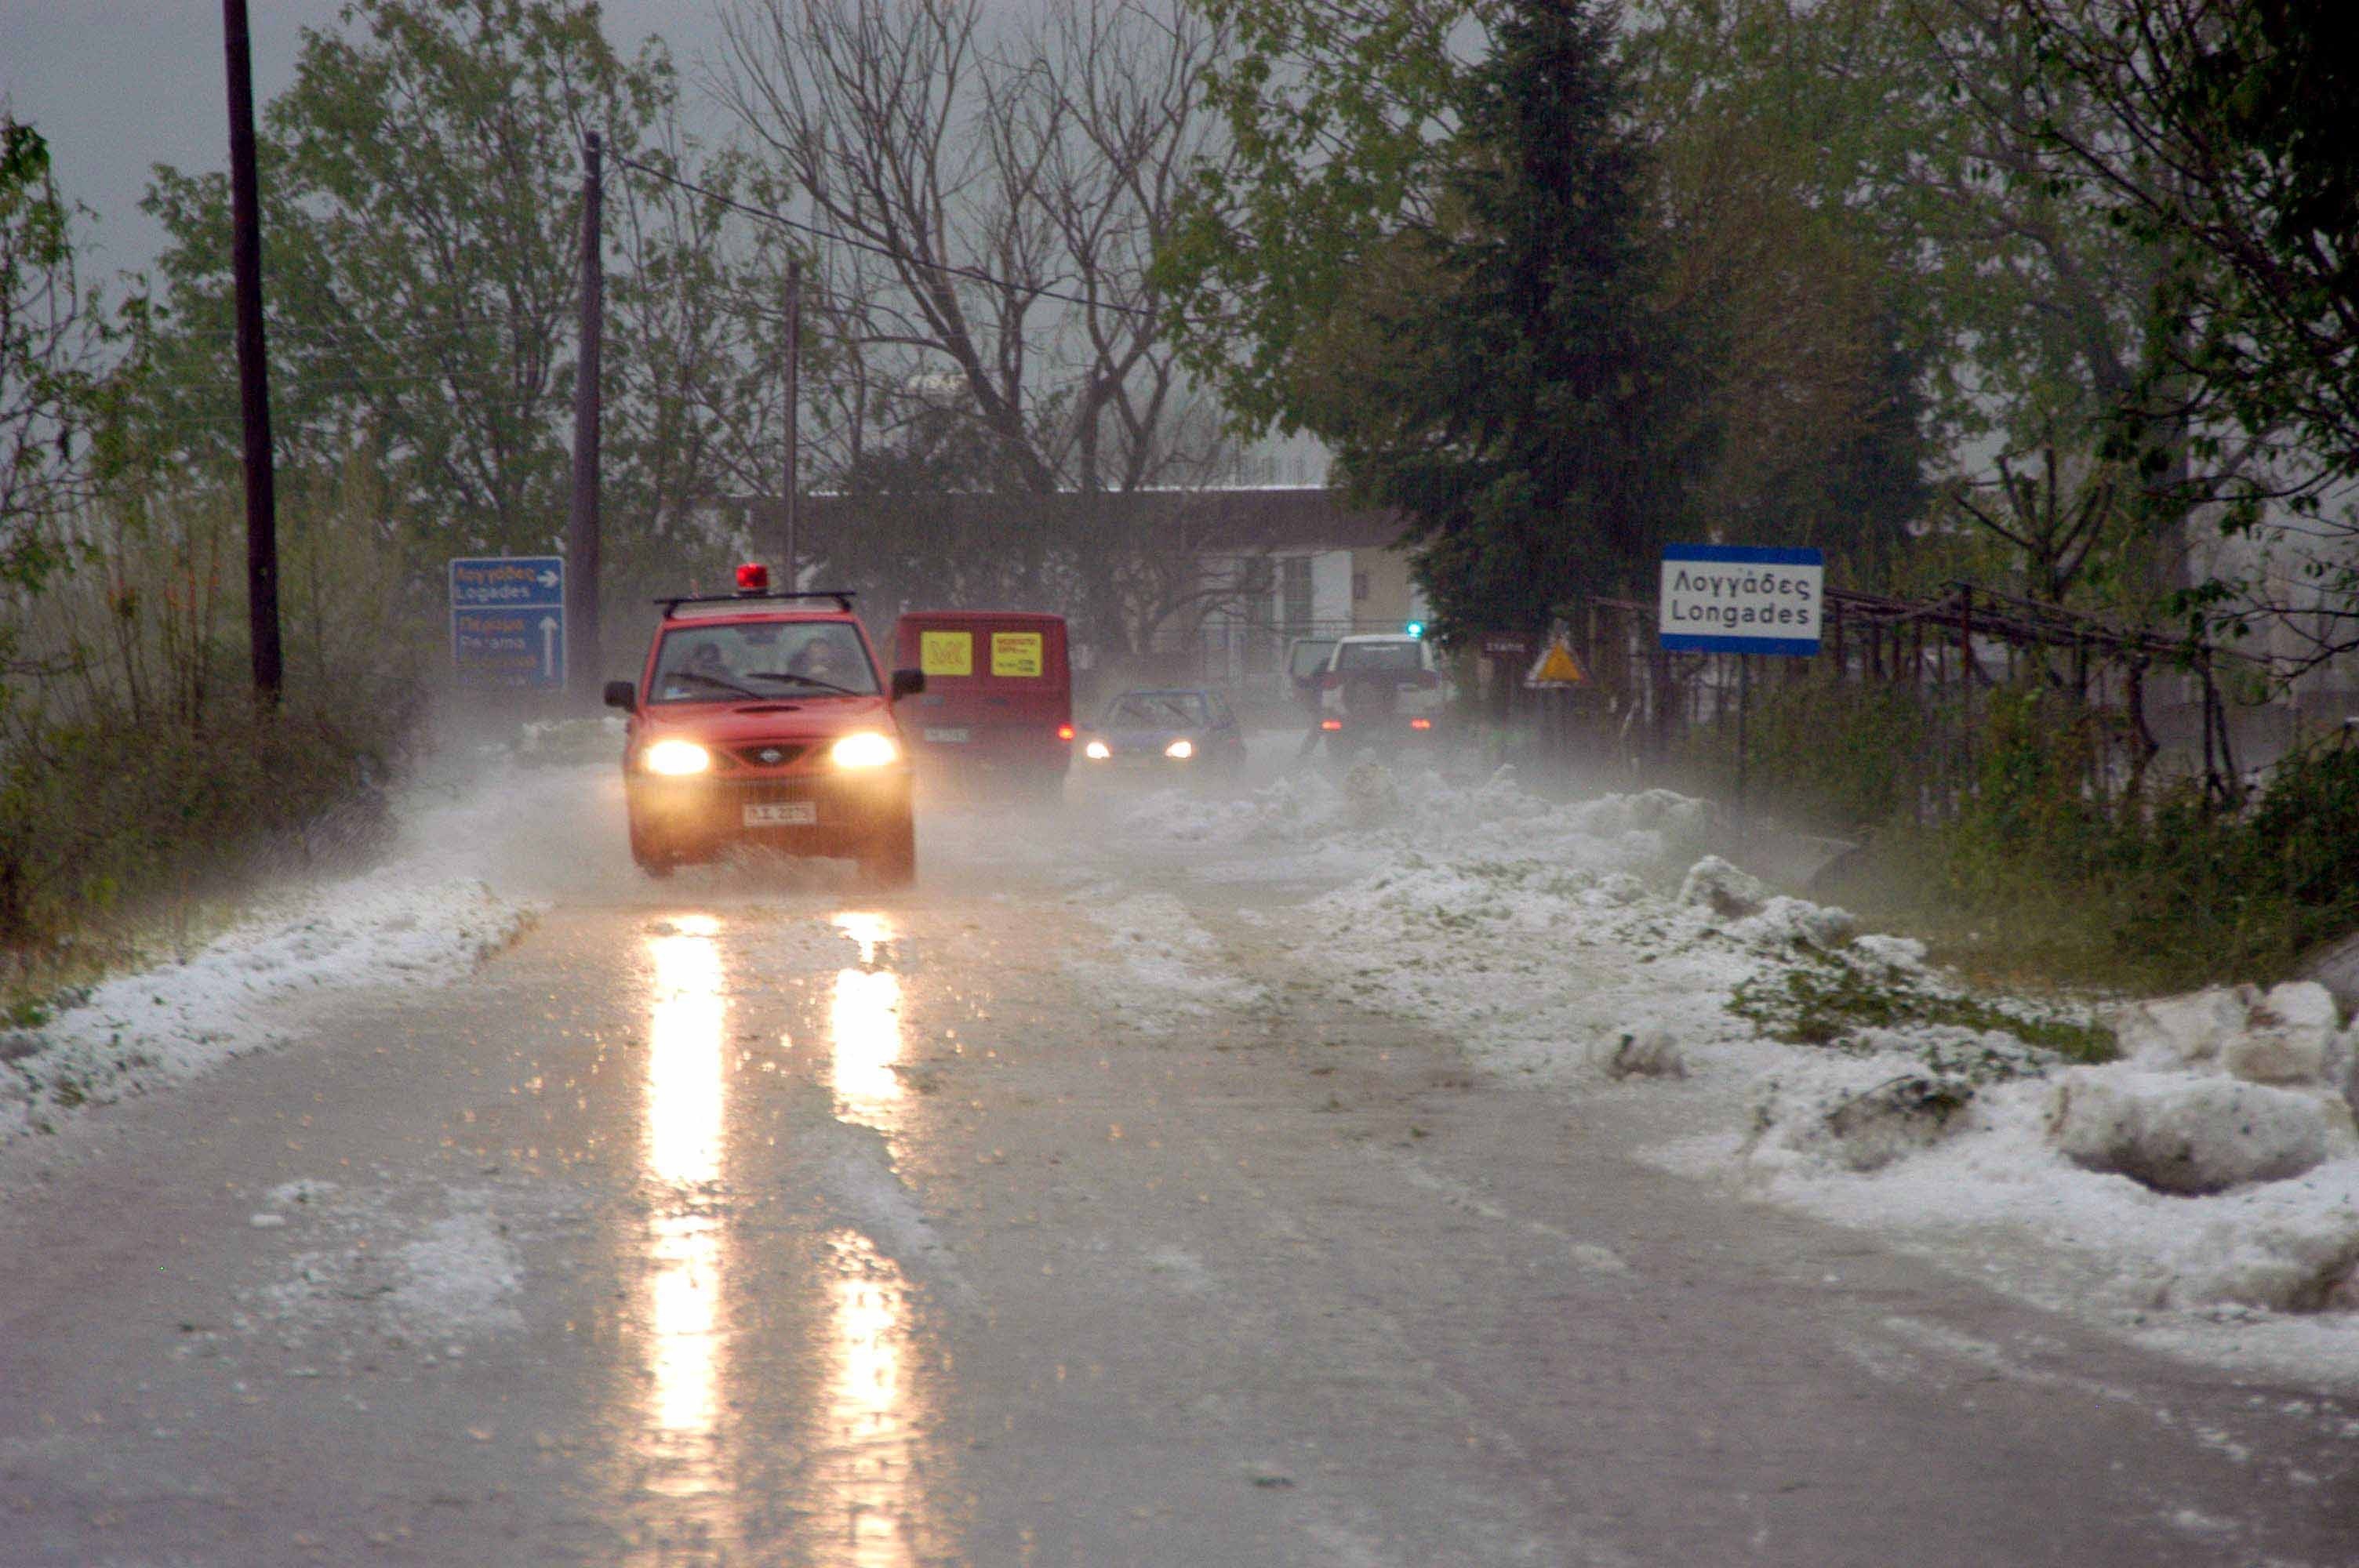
x=508, y=623
x=1742, y=600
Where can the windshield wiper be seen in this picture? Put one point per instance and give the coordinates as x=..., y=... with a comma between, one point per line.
x=802, y=680
x=713, y=680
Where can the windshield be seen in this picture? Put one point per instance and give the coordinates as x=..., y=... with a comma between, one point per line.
x=1158, y=710
x=1379, y=658
x=766, y=659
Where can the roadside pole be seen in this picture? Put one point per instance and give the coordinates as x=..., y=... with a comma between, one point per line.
x=794, y=395
x=1743, y=706
x=1741, y=599
x=253, y=366
x=582, y=526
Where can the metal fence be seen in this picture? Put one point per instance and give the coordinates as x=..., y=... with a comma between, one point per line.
x=2129, y=697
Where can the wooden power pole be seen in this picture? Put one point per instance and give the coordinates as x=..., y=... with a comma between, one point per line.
x=794, y=414
x=584, y=666
x=253, y=366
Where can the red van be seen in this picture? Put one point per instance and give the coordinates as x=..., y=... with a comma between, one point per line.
x=998, y=699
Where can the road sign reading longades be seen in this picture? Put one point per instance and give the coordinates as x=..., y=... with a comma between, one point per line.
x=1742, y=598
x=507, y=622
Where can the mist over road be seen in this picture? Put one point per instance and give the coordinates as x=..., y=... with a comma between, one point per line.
x=1048, y=1213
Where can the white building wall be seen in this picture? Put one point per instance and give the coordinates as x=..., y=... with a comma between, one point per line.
x=1330, y=586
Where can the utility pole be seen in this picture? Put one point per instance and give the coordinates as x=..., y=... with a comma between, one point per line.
x=584, y=666
x=253, y=366
x=793, y=411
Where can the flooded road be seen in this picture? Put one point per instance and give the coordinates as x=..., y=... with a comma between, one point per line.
x=750, y=1220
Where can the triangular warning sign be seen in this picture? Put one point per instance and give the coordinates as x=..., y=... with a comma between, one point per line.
x=1557, y=666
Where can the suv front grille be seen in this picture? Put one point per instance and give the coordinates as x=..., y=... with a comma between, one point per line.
x=769, y=753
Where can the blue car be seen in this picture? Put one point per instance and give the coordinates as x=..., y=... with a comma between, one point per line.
x=1190, y=731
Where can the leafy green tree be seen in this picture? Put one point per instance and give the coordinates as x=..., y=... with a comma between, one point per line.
x=1519, y=393
x=1867, y=174
x=2248, y=106
x=1760, y=120
x=50, y=336
x=422, y=215
x=2219, y=138
x=1343, y=122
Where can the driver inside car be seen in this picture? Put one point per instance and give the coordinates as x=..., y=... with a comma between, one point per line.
x=700, y=671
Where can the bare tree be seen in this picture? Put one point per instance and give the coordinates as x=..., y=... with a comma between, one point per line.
x=990, y=203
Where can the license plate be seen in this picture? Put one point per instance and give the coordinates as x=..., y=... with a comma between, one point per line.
x=781, y=813
x=949, y=736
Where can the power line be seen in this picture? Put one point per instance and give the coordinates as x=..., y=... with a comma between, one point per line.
x=975, y=274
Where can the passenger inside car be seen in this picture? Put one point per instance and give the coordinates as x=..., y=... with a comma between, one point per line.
x=822, y=662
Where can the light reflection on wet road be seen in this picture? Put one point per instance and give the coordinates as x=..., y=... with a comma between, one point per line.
x=686, y=1099
x=864, y=1029
x=855, y=1442
x=869, y=1476
x=871, y=1492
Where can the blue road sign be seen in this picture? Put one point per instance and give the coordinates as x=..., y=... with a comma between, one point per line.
x=1742, y=598
x=507, y=622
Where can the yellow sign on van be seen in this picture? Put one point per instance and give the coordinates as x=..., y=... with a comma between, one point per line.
x=946, y=652
x=1016, y=654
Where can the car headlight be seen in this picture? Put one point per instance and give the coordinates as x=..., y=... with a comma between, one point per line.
x=1180, y=751
x=866, y=749
x=676, y=758
x=1097, y=752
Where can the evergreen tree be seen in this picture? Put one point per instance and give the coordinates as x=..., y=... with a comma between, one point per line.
x=1536, y=417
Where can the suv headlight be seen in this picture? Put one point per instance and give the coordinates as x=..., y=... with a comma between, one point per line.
x=866, y=749
x=675, y=758
x=1097, y=750
x=1180, y=751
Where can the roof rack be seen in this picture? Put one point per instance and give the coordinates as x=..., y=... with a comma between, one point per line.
x=671, y=602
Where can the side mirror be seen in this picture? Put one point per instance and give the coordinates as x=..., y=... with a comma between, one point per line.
x=908, y=683
x=621, y=693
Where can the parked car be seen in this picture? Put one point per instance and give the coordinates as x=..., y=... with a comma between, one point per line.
x=1190, y=730
x=761, y=719
x=998, y=703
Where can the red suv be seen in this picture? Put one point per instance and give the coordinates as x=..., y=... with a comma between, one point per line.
x=761, y=719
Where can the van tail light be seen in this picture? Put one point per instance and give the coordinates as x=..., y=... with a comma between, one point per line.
x=1421, y=723
x=1331, y=724
x=1064, y=732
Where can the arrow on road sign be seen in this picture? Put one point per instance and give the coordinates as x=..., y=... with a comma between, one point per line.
x=549, y=579
x=548, y=646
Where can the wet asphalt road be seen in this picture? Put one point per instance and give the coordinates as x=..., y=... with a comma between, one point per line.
x=729, y=1223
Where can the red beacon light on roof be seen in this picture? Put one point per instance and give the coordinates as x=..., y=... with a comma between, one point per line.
x=753, y=578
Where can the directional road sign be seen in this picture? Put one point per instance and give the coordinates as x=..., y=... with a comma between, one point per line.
x=1742, y=598
x=507, y=622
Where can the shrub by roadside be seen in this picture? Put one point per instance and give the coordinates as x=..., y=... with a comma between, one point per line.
x=2026, y=874
x=138, y=785
x=106, y=813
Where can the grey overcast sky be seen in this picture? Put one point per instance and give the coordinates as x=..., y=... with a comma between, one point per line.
x=118, y=86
